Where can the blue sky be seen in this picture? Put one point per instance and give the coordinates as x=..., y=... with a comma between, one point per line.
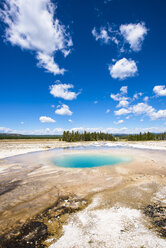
x=82, y=65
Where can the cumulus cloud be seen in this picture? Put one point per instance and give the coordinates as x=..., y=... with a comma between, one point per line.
x=120, y=96
x=31, y=25
x=122, y=111
x=62, y=91
x=160, y=90
x=70, y=120
x=63, y=110
x=123, y=69
x=123, y=103
x=46, y=119
x=107, y=111
x=134, y=34
x=160, y=114
x=118, y=122
x=143, y=109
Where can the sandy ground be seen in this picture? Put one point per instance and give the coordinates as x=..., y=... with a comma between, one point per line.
x=10, y=148
x=122, y=206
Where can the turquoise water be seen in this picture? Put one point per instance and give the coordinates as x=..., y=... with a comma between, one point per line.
x=87, y=161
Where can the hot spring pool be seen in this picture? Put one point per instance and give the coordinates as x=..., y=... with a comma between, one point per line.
x=86, y=160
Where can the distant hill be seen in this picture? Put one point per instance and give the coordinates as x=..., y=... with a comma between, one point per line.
x=22, y=136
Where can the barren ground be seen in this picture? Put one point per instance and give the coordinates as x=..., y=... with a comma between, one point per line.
x=112, y=206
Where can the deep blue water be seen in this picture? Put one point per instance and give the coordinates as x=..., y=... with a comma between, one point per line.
x=86, y=160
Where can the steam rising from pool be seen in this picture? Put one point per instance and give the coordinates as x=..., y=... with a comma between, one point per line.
x=87, y=161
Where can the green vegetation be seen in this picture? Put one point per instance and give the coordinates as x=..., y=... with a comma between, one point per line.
x=86, y=136
x=146, y=136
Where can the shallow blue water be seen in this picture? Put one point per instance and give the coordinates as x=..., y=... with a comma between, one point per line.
x=86, y=160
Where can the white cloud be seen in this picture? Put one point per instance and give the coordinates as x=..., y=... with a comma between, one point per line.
x=62, y=91
x=31, y=25
x=63, y=110
x=160, y=90
x=146, y=98
x=138, y=109
x=120, y=96
x=160, y=114
x=46, y=61
x=102, y=35
x=70, y=120
x=137, y=95
x=143, y=109
x=52, y=106
x=118, y=122
x=46, y=119
x=81, y=129
x=123, y=103
x=6, y=130
x=122, y=111
x=123, y=68
x=107, y=111
x=134, y=34
x=105, y=35
x=22, y=123
x=123, y=89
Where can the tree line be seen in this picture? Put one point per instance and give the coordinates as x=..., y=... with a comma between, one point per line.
x=97, y=136
x=86, y=136
x=146, y=136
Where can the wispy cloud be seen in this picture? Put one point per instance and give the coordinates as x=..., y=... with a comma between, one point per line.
x=137, y=95
x=118, y=122
x=101, y=35
x=31, y=25
x=105, y=35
